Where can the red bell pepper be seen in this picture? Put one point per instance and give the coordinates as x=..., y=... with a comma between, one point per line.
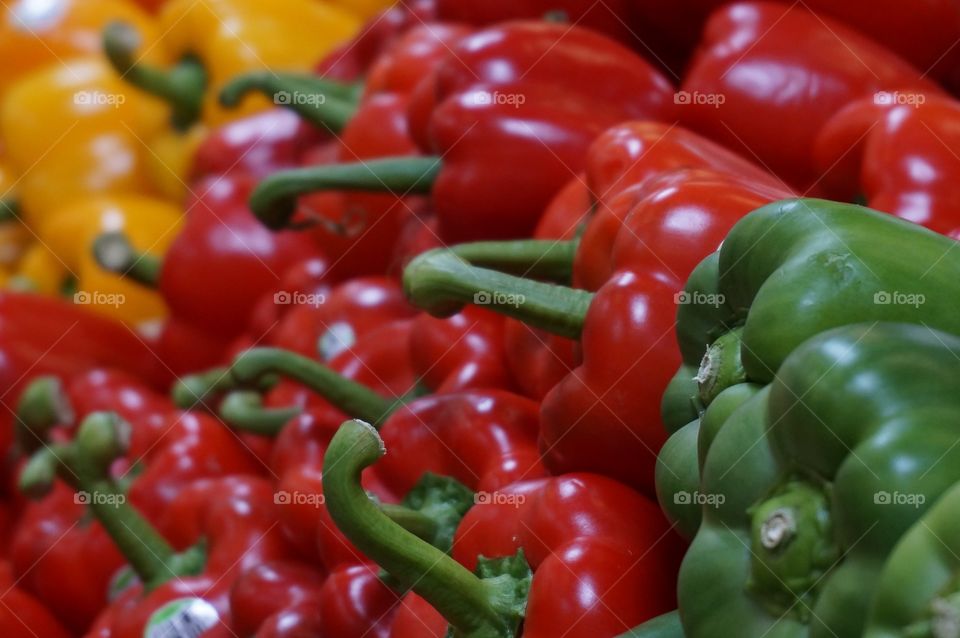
x=511, y=110
x=22, y=615
x=601, y=556
x=604, y=415
x=221, y=262
x=767, y=76
x=897, y=153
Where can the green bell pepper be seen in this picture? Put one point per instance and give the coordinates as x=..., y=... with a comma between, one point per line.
x=818, y=475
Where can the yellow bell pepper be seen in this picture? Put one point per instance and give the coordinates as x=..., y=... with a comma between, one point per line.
x=36, y=33
x=150, y=224
x=39, y=270
x=216, y=40
x=74, y=130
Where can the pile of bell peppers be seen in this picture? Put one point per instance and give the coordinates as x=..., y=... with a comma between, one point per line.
x=436, y=318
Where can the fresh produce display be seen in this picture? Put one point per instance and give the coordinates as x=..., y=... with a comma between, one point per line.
x=450, y=319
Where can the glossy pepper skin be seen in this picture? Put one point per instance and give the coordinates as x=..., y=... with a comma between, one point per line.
x=564, y=528
x=610, y=402
x=919, y=565
x=795, y=68
x=900, y=161
x=23, y=615
x=823, y=471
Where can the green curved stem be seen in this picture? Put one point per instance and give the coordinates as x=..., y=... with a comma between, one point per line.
x=114, y=252
x=84, y=464
x=541, y=258
x=42, y=405
x=182, y=86
x=274, y=200
x=474, y=606
x=440, y=282
x=197, y=388
x=350, y=397
x=243, y=410
x=323, y=102
x=417, y=523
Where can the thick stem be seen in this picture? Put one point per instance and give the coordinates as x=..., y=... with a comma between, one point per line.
x=540, y=258
x=323, y=102
x=181, y=86
x=114, y=252
x=721, y=366
x=85, y=465
x=441, y=283
x=243, y=410
x=350, y=397
x=42, y=405
x=274, y=201
x=417, y=523
x=469, y=603
x=9, y=209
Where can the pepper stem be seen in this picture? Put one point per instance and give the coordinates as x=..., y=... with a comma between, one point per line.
x=440, y=282
x=85, y=464
x=274, y=200
x=243, y=410
x=540, y=258
x=350, y=397
x=476, y=607
x=42, y=405
x=114, y=252
x=182, y=86
x=721, y=366
x=325, y=103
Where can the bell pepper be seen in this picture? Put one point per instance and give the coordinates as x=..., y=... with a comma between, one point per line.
x=35, y=34
x=216, y=41
x=922, y=564
x=75, y=130
x=603, y=416
x=232, y=514
x=565, y=526
x=149, y=223
x=767, y=76
x=23, y=615
x=494, y=88
x=861, y=150
x=810, y=484
x=219, y=242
